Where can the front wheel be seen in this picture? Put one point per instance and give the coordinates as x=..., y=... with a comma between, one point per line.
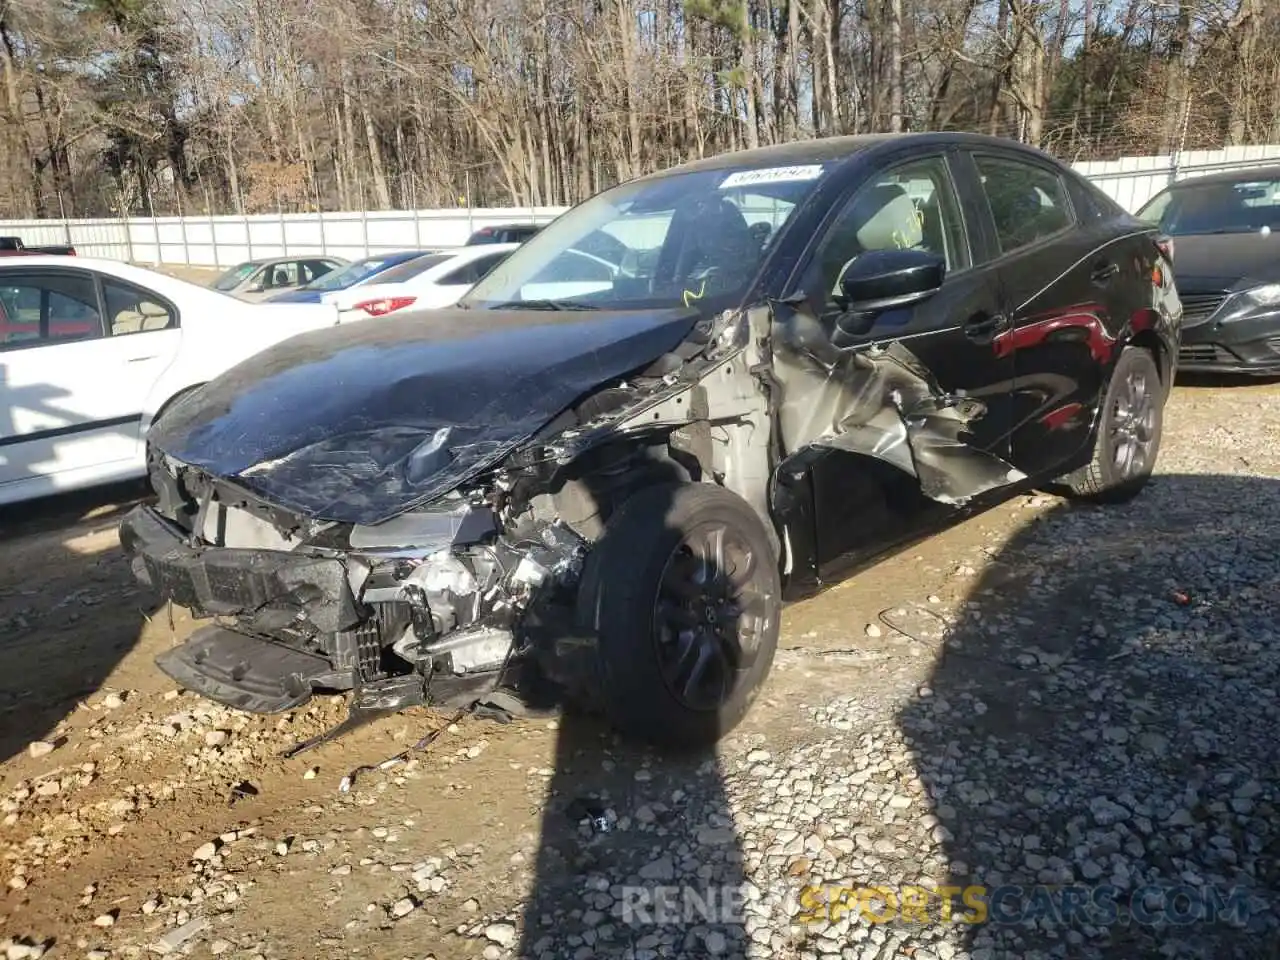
x=684, y=596
x=1128, y=439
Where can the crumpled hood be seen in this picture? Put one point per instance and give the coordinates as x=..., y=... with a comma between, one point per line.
x=1222, y=261
x=359, y=422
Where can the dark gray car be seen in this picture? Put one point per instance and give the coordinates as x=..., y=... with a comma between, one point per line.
x=1225, y=230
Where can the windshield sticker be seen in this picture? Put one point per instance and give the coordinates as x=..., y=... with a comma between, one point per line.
x=747, y=178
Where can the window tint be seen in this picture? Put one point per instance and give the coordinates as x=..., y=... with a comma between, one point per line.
x=53, y=308
x=411, y=268
x=485, y=265
x=1245, y=206
x=134, y=310
x=911, y=207
x=1027, y=202
x=314, y=269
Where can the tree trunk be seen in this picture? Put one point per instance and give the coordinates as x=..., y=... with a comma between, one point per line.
x=376, y=167
x=895, y=67
x=1177, y=91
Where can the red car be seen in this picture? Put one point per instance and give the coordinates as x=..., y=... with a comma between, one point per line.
x=14, y=247
x=15, y=327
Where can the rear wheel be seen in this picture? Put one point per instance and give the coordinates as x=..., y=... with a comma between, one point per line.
x=684, y=595
x=1128, y=439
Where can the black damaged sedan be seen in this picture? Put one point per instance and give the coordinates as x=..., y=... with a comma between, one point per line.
x=689, y=398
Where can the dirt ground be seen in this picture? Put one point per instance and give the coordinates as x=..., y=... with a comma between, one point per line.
x=201, y=275
x=100, y=837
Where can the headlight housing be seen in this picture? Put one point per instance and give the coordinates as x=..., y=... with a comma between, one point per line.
x=1268, y=295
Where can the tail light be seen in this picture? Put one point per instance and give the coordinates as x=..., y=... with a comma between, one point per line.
x=380, y=308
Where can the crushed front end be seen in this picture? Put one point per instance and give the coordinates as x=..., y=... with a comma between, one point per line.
x=424, y=608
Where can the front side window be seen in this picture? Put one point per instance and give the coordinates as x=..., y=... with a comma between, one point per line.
x=44, y=309
x=684, y=239
x=1028, y=203
x=132, y=309
x=909, y=207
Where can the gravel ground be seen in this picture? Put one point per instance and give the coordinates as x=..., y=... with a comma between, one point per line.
x=1067, y=707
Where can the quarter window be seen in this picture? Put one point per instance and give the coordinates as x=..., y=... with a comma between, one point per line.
x=1028, y=203
x=134, y=310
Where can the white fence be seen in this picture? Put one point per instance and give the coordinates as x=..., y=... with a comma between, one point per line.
x=1132, y=181
x=227, y=240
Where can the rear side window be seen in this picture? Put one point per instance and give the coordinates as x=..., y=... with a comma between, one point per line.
x=1028, y=203
x=36, y=309
x=411, y=268
x=472, y=272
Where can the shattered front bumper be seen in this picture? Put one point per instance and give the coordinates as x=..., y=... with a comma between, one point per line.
x=234, y=668
x=226, y=581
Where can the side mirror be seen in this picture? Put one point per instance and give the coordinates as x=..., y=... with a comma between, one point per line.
x=257, y=287
x=880, y=280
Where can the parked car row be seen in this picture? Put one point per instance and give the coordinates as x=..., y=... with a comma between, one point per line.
x=317, y=279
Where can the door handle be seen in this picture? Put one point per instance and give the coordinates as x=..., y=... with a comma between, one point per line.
x=140, y=359
x=984, y=327
x=1103, y=272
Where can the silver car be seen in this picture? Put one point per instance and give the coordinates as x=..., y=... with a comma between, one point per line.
x=256, y=280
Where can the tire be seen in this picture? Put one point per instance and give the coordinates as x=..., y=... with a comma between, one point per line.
x=641, y=580
x=1127, y=442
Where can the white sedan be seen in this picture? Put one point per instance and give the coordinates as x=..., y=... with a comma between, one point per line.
x=436, y=280
x=92, y=351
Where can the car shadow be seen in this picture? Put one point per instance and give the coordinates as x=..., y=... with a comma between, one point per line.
x=67, y=616
x=1097, y=736
x=638, y=853
x=1218, y=381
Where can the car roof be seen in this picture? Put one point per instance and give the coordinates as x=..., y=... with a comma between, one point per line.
x=1230, y=176
x=476, y=252
x=121, y=267
x=396, y=255
x=839, y=149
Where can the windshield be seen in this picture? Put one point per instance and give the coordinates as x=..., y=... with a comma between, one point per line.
x=673, y=241
x=1245, y=206
x=349, y=275
x=411, y=268
x=233, y=277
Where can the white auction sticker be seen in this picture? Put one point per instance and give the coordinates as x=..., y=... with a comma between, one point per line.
x=748, y=178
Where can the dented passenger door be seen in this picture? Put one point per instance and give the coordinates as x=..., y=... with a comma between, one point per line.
x=915, y=385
